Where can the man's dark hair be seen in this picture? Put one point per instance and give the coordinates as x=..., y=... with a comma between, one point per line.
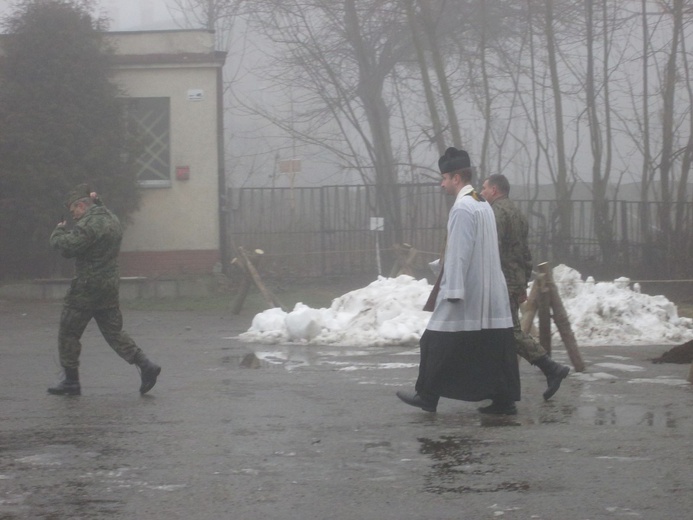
x=465, y=174
x=500, y=181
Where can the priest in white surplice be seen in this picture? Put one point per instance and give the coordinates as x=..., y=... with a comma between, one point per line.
x=468, y=350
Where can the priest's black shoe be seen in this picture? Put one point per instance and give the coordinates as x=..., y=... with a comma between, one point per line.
x=499, y=408
x=414, y=399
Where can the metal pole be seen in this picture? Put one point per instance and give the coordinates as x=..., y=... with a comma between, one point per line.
x=377, y=253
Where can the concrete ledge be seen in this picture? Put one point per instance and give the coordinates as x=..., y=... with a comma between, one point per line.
x=131, y=288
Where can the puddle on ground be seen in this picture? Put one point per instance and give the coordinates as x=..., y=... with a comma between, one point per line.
x=624, y=415
x=344, y=359
x=459, y=466
x=301, y=356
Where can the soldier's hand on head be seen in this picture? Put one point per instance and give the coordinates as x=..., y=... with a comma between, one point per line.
x=96, y=198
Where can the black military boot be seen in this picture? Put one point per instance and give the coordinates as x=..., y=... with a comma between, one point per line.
x=555, y=374
x=148, y=373
x=68, y=386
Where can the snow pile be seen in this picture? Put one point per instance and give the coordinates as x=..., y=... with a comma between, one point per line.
x=603, y=313
x=388, y=312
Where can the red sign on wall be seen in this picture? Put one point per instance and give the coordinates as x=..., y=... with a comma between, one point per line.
x=182, y=173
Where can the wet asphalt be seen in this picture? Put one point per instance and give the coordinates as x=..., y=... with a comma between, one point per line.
x=313, y=432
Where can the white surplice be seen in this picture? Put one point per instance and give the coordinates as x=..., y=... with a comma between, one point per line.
x=471, y=271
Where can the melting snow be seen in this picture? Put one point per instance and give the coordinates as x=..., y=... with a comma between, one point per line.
x=388, y=312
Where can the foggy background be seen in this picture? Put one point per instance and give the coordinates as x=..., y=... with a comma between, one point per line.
x=572, y=101
x=256, y=148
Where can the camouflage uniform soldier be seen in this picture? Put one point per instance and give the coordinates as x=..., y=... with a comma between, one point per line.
x=94, y=242
x=516, y=264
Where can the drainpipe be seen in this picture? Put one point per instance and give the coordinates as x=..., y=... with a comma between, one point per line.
x=223, y=208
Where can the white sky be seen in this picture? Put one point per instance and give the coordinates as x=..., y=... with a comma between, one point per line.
x=388, y=312
x=127, y=14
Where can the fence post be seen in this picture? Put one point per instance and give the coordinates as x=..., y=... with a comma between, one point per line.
x=624, y=234
x=322, y=230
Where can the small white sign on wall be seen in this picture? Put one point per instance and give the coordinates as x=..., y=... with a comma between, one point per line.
x=196, y=94
x=377, y=223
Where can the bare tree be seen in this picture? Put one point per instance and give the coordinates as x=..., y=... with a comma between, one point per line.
x=538, y=86
x=683, y=213
x=430, y=17
x=675, y=146
x=600, y=133
x=436, y=134
x=498, y=38
x=647, y=170
x=668, y=114
x=337, y=56
x=564, y=211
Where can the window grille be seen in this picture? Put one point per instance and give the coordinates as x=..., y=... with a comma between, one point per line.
x=149, y=120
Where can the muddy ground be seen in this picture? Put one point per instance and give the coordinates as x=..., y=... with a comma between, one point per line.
x=317, y=433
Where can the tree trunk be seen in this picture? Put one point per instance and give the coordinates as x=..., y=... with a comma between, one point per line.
x=600, y=178
x=370, y=91
x=439, y=66
x=437, y=132
x=668, y=124
x=564, y=210
x=486, y=108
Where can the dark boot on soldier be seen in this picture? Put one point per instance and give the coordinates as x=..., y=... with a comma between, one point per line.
x=148, y=372
x=69, y=385
x=555, y=374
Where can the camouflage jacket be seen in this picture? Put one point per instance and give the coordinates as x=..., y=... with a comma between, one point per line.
x=94, y=242
x=516, y=259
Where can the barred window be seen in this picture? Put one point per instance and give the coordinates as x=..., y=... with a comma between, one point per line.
x=149, y=120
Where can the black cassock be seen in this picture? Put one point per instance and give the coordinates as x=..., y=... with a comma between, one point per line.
x=469, y=365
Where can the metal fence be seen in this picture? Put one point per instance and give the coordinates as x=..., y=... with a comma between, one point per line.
x=326, y=231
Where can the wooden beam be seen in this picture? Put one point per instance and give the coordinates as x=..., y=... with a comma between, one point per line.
x=246, y=281
x=544, y=307
x=271, y=299
x=529, y=310
x=560, y=317
x=545, y=282
x=405, y=255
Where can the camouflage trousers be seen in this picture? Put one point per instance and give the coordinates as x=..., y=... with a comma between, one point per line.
x=73, y=321
x=526, y=345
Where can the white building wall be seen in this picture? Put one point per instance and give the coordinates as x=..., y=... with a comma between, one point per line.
x=185, y=215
